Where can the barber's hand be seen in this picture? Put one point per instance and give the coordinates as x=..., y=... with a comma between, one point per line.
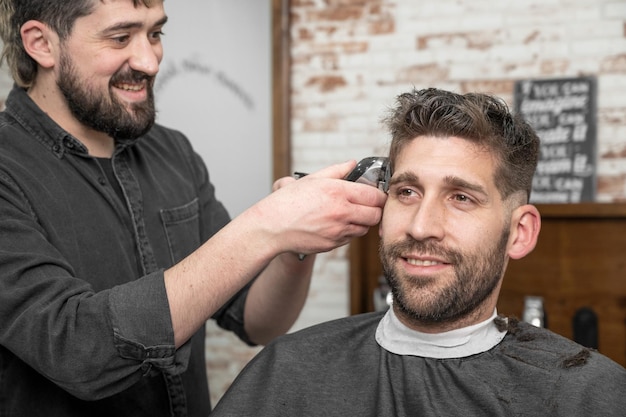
x=321, y=211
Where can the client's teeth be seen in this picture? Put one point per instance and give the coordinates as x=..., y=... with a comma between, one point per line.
x=418, y=262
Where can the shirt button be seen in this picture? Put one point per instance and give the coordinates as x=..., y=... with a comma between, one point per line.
x=102, y=181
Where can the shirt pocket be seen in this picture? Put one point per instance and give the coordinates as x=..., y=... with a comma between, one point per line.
x=182, y=229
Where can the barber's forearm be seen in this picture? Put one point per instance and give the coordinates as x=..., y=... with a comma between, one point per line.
x=200, y=284
x=276, y=298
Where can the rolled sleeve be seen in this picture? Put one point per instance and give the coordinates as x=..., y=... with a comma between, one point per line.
x=143, y=331
x=231, y=315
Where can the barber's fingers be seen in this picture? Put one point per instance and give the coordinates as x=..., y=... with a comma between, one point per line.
x=367, y=214
x=343, y=201
x=321, y=211
x=333, y=171
x=364, y=194
x=282, y=182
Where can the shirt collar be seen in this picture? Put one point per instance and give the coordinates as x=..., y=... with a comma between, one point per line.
x=30, y=116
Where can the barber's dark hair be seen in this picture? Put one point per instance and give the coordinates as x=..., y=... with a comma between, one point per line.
x=59, y=15
x=483, y=119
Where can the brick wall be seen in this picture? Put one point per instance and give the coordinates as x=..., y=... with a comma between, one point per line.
x=352, y=57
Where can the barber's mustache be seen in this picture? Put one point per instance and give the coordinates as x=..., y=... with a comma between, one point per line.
x=131, y=76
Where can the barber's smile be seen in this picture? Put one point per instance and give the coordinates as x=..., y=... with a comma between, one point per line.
x=132, y=91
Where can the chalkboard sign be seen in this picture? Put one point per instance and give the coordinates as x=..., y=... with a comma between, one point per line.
x=563, y=113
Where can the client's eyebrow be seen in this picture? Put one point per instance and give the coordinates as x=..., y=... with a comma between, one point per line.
x=405, y=177
x=461, y=183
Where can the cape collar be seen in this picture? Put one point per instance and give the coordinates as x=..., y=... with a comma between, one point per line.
x=397, y=338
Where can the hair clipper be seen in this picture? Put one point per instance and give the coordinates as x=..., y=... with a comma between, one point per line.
x=373, y=170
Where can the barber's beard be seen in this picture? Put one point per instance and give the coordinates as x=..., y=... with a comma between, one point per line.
x=429, y=299
x=103, y=111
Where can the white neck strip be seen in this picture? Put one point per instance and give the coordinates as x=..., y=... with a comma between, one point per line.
x=397, y=338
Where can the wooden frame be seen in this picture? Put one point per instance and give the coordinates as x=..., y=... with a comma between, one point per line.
x=280, y=89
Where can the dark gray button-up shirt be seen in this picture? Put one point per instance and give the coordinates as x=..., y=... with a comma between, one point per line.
x=84, y=319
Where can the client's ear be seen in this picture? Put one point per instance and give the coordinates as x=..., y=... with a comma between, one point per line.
x=525, y=226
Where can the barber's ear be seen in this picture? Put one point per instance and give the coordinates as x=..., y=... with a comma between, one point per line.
x=525, y=226
x=37, y=39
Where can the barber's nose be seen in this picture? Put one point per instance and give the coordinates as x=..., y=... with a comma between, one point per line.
x=146, y=57
x=428, y=220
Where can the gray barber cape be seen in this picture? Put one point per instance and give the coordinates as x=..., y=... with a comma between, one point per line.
x=339, y=369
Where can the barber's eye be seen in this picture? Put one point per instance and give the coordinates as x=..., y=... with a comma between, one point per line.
x=121, y=39
x=158, y=34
